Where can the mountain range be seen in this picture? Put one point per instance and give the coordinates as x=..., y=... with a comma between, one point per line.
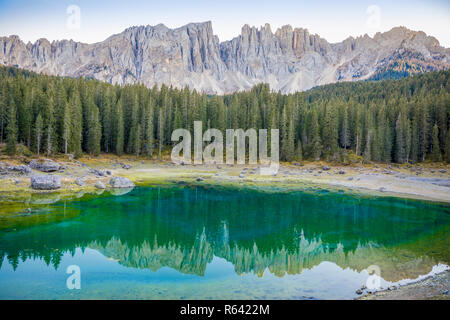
x=288, y=59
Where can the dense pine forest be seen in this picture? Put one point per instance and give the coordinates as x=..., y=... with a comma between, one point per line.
x=399, y=121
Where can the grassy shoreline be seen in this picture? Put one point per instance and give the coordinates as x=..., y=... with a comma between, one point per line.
x=412, y=182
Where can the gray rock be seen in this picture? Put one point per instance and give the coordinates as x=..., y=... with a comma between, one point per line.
x=193, y=55
x=44, y=166
x=108, y=172
x=341, y=171
x=22, y=169
x=241, y=176
x=325, y=168
x=199, y=179
x=98, y=173
x=100, y=185
x=45, y=182
x=120, y=182
x=80, y=182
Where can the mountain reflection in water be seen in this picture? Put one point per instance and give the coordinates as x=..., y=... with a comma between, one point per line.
x=184, y=228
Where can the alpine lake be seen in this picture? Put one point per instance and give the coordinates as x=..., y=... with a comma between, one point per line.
x=206, y=242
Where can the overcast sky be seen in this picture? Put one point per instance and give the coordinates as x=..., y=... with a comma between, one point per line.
x=332, y=20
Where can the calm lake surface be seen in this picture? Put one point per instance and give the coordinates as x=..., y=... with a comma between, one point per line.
x=182, y=242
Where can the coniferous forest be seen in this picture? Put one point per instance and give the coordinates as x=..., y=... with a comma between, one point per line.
x=399, y=121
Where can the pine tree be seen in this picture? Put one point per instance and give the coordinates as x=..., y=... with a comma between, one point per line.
x=150, y=135
x=299, y=151
x=344, y=130
x=118, y=128
x=315, y=147
x=330, y=130
x=76, y=135
x=94, y=129
x=436, y=150
x=400, y=142
x=447, y=147
x=49, y=124
x=11, y=128
x=38, y=127
x=408, y=140
x=67, y=126
x=290, y=146
x=369, y=136
x=161, y=122
x=3, y=98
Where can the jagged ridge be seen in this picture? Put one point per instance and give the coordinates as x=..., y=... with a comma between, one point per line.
x=289, y=60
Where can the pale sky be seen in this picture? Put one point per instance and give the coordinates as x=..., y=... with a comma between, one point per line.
x=332, y=20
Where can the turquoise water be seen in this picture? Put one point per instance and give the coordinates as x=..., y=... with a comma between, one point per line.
x=184, y=242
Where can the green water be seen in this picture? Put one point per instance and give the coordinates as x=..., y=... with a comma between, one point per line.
x=205, y=243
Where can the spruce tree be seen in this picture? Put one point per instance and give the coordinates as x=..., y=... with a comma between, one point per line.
x=436, y=150
x=38, y=128
x=11, y=128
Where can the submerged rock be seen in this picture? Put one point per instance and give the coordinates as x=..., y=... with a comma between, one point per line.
x=120, y=182
x=45, y=182
x=120, y=192
x=100, y=185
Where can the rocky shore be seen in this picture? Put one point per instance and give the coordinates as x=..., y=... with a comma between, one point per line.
x=66, y=175
x=435, y=287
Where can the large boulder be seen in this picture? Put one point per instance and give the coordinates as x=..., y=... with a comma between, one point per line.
x=44, y=166
x=45, y=182
x=119, y=182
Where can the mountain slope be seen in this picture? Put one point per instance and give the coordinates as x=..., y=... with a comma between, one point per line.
x=289, y=60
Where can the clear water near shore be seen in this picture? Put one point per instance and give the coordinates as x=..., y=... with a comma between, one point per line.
x=182, y=242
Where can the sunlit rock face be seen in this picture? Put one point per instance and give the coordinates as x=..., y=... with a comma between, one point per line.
x=289, y=59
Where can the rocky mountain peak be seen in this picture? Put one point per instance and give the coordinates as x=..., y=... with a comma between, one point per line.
x=291, y=59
